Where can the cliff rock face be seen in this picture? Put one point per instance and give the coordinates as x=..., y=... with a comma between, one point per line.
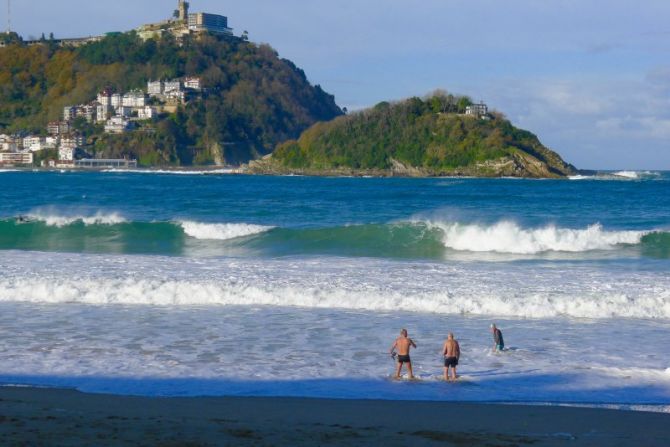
x=429, y=137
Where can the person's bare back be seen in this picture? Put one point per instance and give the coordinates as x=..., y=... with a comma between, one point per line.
x=402, y=345
x=451, y=348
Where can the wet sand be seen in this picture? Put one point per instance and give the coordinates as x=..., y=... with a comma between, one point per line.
x=33, y=416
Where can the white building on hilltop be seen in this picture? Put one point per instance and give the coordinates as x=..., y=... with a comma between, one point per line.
x=202, y=22
x=478, y=110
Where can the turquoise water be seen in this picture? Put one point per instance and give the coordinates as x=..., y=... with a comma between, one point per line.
x=406, y=218
x=154, y=283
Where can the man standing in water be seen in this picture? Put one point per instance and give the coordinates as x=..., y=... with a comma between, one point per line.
x=498, y=342
x=451, y=353
x=403, y=344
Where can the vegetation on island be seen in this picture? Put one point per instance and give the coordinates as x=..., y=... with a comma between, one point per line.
x=423, y=137
x=252, y=100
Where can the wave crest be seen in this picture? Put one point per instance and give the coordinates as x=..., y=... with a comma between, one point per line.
x=508, y=237
x=221, y=231
x=55, y=220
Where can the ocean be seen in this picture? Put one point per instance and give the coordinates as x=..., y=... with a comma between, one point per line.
x=192, y=284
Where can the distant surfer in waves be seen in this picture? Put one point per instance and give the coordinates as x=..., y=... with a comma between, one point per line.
x=402, y=345
x=498, y=342
x=451, y=352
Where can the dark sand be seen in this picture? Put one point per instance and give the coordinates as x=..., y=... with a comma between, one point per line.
x=33, y=417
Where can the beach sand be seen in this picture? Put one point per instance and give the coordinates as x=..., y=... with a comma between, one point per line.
x=34, y=416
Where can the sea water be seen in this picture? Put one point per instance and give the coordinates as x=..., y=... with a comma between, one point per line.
x=158, y=284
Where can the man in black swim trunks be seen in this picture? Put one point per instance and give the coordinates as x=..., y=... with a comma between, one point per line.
x=403, y=344
x=451, y=352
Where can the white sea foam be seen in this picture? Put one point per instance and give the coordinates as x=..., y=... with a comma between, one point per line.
x=508, y=237
x=619, y=175
x=62, y=220
x=628, y=174
x=221, y=231
x=334, y=283
x=174, y=171
x=165, y=292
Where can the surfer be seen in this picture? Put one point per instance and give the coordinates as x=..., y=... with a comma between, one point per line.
x=451, y=352
x=403, y=344
x=498, y=342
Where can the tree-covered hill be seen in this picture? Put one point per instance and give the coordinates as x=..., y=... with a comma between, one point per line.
x=253, y=99
x=421, y=137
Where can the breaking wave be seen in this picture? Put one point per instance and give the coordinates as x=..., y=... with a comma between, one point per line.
x=620, y=175
x=223, y=231
x=508, y=237
x=55, y=220
x=421, y=239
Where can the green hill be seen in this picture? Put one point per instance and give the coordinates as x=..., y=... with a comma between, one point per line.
x=253, y=99
x=417, y=137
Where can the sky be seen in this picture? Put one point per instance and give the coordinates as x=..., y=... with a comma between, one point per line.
x=591, y=78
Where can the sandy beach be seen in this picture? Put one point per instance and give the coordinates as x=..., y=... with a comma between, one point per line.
x=35, y=416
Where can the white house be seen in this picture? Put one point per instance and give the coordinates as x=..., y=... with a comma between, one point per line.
x=33, y=143
x=69, y=113
x=116, y=124
x=124, y=112
x=172, y=86
x=66, y=153
x=192, y=83
x=104, y=112
x=105, y=98
x=146, y=113
x=116, y=100
x=155, y=88
x=134, y=99
x=87, y=111
x=177, y=95
x=9, y=146
x=50, y=142
x=478, y=110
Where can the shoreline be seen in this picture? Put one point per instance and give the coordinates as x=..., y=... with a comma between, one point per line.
x=65, y=416
x=243, y=170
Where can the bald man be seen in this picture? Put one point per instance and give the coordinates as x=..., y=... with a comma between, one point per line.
x=452, y=353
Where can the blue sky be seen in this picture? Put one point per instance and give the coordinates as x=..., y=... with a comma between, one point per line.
x=590, y=78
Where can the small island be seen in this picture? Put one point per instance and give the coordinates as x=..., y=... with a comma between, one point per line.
x=440, y=135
